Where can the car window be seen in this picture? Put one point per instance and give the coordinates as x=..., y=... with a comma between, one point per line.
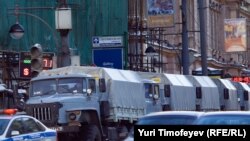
x=224, y=120
x=32, y=125
x=16, y=125
x=167, y=120
x=3, y=125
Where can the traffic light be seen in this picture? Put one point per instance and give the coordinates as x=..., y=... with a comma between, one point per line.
x=24, y=65
x=36, y=53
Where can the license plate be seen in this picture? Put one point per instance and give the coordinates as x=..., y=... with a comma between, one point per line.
x=56, y=128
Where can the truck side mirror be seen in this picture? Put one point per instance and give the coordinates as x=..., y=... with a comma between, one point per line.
x=198, y=93
x=156, y=92
x=102, y=85
x=156, y=96
x=89, y=92
x=226, y=93
x=246, y=97
x=167, y=90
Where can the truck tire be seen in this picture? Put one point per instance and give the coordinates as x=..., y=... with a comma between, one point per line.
x=91, y=133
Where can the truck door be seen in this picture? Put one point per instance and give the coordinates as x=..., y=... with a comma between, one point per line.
x=152, y=97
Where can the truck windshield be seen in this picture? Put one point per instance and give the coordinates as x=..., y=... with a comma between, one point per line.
x=71, y=85
x=60, y=86
x=43, y=87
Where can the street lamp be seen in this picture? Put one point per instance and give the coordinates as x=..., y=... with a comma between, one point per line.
x=16, y=31
x=63, y=18
x=63, y=21
x=150, y=52
x=63, y=25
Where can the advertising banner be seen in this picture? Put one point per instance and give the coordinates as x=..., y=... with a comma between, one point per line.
x=160, y=13
x=235, y=35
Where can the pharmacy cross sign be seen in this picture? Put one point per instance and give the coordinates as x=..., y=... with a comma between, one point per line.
x=95, y=40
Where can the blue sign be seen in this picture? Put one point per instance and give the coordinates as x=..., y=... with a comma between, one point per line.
x=108, y=57
x=107, y=41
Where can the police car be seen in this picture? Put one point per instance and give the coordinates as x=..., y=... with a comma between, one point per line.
x=20, y=127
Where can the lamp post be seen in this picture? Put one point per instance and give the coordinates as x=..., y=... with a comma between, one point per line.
x=63, y=25
x=16, y=31
x=203, y=39
x=185, y=53
x=150, y=52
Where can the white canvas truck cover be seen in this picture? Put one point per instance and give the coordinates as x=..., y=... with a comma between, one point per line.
x=244, y=86
x=182, y=92
x=232, y=102
x=246, y=102
x=210, y=93
x=126, y=93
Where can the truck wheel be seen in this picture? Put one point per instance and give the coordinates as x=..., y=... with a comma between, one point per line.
x=91, y=133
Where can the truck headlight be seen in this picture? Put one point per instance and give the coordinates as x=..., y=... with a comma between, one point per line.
x=73, y=115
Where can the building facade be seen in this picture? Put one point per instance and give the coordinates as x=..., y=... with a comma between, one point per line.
x=166, y=36
x=152, y=31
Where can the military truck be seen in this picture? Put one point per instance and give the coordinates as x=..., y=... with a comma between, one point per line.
x=91, y=103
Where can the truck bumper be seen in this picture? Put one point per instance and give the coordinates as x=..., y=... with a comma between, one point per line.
x=68, y=129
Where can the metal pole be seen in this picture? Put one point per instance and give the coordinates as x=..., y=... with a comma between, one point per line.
x=126, y=39
x=64, y=56
x=185, y=52
x=136, y=28
x=202, y=38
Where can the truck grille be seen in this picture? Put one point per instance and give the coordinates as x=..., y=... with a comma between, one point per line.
x=42, y=113
x=47, y=113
